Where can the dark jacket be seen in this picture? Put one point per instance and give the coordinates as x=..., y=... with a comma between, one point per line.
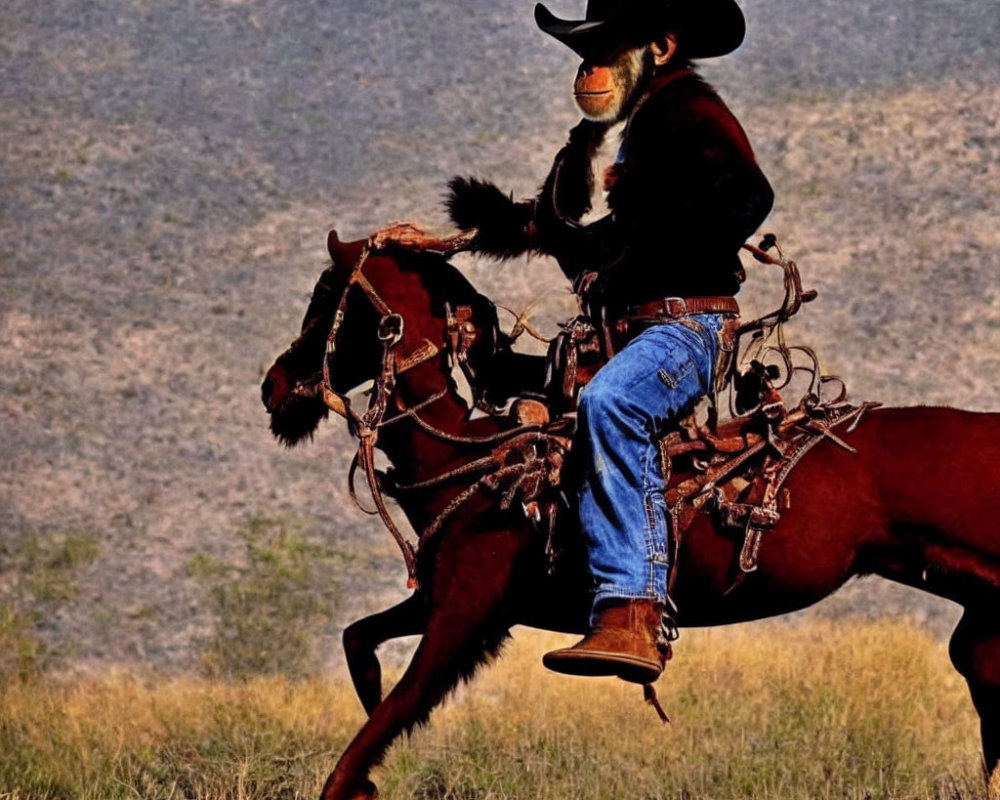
x=688, y=194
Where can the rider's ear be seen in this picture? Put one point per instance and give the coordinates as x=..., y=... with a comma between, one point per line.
x=664, y=49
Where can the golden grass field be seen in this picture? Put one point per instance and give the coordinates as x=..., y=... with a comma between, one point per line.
x=168, y=175
x=770, y=710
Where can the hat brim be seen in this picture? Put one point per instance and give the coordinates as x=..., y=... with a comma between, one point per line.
x=588, y=39
x=710, y=28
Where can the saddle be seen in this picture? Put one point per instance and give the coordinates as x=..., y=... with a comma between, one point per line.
x=733, y=468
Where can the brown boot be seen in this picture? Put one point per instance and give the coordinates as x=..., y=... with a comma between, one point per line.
x=625, y=642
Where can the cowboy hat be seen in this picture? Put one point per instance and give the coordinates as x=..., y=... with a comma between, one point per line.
x=707, y=28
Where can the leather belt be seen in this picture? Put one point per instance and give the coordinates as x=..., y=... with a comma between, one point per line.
x=677, y=307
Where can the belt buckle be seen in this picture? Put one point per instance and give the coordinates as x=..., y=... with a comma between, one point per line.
x=675, y=307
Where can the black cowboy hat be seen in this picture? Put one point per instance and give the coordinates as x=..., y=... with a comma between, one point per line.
x=707, y=28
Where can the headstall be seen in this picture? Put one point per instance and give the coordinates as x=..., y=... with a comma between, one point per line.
x=367, y=426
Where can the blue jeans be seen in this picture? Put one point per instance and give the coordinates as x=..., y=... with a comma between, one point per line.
x=664, y=371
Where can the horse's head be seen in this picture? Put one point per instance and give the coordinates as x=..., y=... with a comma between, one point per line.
x=415, y=286
x=292, y=387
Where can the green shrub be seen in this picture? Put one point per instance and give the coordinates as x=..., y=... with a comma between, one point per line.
x=270, y=609
x=38, y=571
x=47, y=565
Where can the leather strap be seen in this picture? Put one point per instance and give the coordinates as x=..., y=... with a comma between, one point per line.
x=677, y=307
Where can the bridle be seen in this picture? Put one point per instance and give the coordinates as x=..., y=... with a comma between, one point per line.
x=368, y=425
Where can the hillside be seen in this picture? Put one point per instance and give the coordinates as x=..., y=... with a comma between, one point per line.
x=170, y=170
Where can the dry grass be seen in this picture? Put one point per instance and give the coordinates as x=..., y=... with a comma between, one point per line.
x=763, y=711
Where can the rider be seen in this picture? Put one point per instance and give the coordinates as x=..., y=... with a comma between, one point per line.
x=685, y=194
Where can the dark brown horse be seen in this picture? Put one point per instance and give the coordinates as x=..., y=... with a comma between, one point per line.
x=919, y=503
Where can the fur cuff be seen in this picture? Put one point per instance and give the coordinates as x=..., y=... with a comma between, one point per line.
x=502, y=223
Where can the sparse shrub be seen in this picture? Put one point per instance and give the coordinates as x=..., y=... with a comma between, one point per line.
x=47, y=564
x=270, y=609
x=38, y=572
x=21, y=652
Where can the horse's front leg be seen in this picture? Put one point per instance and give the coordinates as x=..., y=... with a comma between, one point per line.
x=466, y=623
x=361, y=639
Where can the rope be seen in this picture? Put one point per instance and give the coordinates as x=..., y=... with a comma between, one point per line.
x=770, y=328
x=490, y=481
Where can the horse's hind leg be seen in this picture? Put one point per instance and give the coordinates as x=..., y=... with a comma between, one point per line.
x=465, y=626
x=975, y=652
x=361, y=639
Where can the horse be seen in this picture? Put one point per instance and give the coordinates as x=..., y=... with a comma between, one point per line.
x=918, y=502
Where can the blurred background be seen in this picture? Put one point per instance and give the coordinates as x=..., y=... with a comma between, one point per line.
x=168, y=174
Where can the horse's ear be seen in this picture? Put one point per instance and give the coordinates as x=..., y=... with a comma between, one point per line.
x=342, y=253
x=334, y=246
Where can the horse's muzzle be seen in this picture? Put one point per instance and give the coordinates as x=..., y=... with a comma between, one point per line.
x=274, y=389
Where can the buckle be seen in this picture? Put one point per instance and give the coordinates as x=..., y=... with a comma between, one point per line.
x=675, y=307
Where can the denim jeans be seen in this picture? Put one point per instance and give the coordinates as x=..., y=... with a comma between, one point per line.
x=663, y=371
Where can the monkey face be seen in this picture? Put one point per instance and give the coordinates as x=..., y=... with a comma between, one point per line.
x=602, y=90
